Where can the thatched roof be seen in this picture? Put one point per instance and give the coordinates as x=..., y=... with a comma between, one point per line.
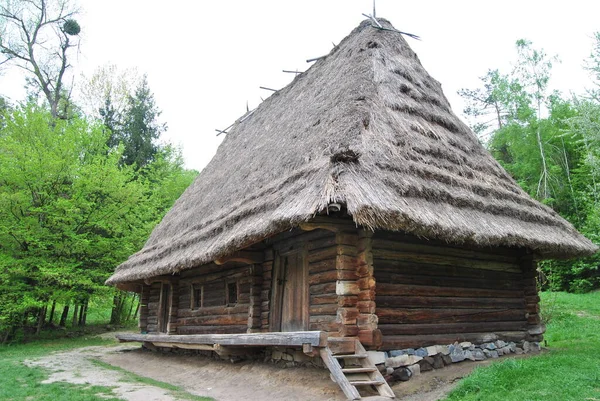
x=366, y=127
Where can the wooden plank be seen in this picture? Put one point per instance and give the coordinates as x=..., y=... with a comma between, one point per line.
x=430, y=290
x=446, y=315
x=448, y=302
x=444, y=281
x=336, y=372
x=407, y=238
x=293, y=338
x=435, y=249
x=445, y=328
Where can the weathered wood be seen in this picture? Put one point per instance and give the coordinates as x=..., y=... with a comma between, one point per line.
x=293, y=339
x=225, y=329
x=326, y=223
x=346, y=288
x=444, y=281
x=447, y=315
x=449, y=302
x=430, y=290
x=338, y=376
x=444, y=328
x=247, y=257
x=371, y=338
x=430, y=249
x=341, y=345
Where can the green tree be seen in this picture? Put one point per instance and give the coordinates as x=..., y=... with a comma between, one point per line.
x=67, y=212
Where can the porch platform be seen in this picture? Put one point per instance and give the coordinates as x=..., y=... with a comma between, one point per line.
x=292, y=339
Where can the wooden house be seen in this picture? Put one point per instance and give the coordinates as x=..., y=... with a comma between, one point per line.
x=353, y=203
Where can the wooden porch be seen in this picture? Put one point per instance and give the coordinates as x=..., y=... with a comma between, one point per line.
x=357, y=370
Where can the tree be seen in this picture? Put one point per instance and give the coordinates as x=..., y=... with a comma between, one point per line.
x=38, y=36
x=141, y=128
x=499, y=102
x=69, y=213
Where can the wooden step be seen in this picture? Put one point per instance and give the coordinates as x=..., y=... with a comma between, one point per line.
x=359, y=370
x=363, y=373
x=368, y=383
x=343, y=356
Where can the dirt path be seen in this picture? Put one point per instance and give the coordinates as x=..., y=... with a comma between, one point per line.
x=222, y=380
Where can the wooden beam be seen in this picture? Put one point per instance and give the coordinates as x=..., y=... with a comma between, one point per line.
x=293, y=338
x=328, y=223
x=247, y=257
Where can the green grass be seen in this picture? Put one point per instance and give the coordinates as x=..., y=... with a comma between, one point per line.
x=19, y=382
x=569, y=371
x=130, y=377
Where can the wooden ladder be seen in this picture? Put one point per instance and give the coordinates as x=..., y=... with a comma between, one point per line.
x=349, y=378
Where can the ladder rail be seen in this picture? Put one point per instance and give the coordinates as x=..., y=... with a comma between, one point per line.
x=348, y=384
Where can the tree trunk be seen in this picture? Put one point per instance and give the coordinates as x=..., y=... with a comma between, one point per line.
x=133, y=297
x=114, y=314
x=63, y=317
x=82, y=313
x=51, y=318
x=137, y=308
x=40, y=320
x=75, y=312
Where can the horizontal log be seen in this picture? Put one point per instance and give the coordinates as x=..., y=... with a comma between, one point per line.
x=328, y=309
x=431, y=249
x=425, y=269
x=444, y=281
x=204, y=330
x=213, y=310
x=411, y=239
x=247, y=257
x=371, y=338
x=233, y=319
x=444, y=315
x=333, y=275
x=347, y=238
x=445, y=328
x=445, y=260
x=321, y=266
x=429, y=290
x=294, y=338
x=323, y=288
x=448, y=302
x=330, y=299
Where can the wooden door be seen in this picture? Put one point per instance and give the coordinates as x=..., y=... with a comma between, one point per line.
x=292, y=299
x=165, y=308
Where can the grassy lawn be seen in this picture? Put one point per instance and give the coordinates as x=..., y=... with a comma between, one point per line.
x=21, y=383
x=569, y=371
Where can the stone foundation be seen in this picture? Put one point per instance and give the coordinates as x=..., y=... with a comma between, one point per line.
x=401, y=365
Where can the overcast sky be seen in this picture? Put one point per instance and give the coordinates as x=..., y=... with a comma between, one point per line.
x=206, y=59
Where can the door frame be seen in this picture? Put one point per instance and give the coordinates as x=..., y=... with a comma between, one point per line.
x=276, y=309
x=164, y=316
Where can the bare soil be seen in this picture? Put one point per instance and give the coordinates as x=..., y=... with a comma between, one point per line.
x=223, y=380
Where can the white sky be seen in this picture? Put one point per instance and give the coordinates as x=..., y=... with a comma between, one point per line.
x=206, y=59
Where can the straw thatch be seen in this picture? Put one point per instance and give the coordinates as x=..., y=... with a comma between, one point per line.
x=367, y=127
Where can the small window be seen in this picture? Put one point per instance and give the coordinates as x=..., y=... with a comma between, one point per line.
x=232, y=293
x=197, y=298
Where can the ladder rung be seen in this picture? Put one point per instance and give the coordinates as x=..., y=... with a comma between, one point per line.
x=341, y=356
x=359, y=370
x=367, y=383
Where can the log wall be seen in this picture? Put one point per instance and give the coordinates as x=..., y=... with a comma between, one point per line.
x=321, y=254
x=152, y=308
x=215, y=315
x=431, y=293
